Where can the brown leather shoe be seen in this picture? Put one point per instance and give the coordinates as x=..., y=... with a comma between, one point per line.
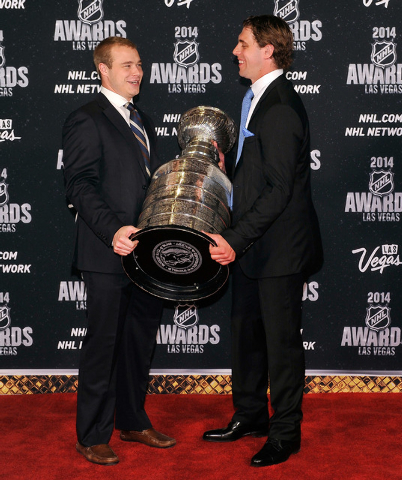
x=100, y=454
x=149, y=437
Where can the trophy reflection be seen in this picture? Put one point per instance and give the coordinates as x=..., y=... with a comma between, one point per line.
x=187, y=196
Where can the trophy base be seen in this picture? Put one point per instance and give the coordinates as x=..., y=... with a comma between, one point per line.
x=173, y=262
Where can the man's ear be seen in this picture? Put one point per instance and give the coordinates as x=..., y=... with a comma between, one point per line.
x=103, y=69
x=269, y=50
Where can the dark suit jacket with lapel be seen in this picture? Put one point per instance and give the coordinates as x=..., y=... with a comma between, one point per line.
x=275, y=229
x=105, y=180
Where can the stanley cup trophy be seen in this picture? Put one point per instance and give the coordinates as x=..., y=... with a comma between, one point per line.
x=187, y=196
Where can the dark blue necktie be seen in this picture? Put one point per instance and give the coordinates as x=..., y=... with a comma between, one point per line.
x=245, y=108
x=137, y=128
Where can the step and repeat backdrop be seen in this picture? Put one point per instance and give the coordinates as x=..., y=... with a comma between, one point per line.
x=348, y=73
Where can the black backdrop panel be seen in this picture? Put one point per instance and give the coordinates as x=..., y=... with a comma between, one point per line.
x=347, y=71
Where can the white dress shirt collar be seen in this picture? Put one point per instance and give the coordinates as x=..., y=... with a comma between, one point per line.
x=118, y=102
x=259, y=88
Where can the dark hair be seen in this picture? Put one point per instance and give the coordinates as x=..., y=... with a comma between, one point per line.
x=103, y=51
x=268, y=29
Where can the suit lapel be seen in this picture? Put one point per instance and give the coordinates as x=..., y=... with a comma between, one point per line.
x=118, y=121
x=267, y=91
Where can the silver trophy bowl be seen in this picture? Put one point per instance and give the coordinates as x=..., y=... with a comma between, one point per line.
x=187, y=196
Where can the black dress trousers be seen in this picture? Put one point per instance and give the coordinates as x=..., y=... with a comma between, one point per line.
x=115, y=358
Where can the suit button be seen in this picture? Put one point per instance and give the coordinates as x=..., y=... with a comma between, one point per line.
x=144, y=187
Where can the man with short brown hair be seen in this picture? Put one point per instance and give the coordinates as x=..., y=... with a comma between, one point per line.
x=109, y=153
x=275, y=243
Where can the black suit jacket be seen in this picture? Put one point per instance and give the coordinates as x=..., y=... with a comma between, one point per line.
x=105, y=180
x=275, y=229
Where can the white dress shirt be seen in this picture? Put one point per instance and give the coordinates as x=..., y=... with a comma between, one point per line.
x=259, y=88
x=118, y=102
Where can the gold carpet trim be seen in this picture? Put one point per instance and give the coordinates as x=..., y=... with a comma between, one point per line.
x=202, y=384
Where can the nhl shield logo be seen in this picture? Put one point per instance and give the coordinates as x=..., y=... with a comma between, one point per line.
x=288, y=10
x=3, y=193
x=186, y=53
x=381, y=183
x=4, y=317
x=378, y=317
x=2, y=57
x=383, y=54
x=185, y=316
x=90, y=11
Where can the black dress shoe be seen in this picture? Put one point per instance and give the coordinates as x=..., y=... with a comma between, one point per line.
x=275, y=451
x=234, y=431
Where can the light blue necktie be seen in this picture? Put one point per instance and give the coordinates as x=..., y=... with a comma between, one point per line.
x=138, y=130
x=245, y=108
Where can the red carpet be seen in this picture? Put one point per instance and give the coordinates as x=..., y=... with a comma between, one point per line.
x=345, y=436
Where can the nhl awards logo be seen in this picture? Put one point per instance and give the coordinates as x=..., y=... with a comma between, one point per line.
x=73, y=291
x=302, y=30
x=186, y=53
x=11, y=213
x=381, y=203
x=288, y=10
x=185, y=316
x=186, y=335
x=3, y=189
x=383, y=54
x=10, y=76
x=186, y=74
x=90, y=11
x=377, y=337
x=89, y=29
x=2, y=57
x=378, y=317
x=383, y=74
x=11, y=337
x=5, y=319
x=381, y=183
